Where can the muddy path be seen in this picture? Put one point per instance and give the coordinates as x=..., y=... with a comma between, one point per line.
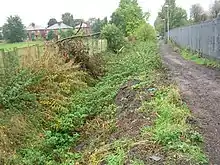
x=200, y=87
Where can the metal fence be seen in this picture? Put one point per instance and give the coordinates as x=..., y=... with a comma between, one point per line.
x=203, y=38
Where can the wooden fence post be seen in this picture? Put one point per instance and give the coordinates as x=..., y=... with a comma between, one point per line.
x=38, y=51
x=2, y=65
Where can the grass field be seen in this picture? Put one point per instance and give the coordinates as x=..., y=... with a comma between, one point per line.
x=10, y=46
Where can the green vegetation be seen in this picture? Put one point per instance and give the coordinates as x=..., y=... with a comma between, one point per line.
x=67, y=19
x=8, y=46
x=197, y=14
x=97, y=24
x=198, y=59
x=13, y=30
x=171, y=129
x=113, y=108
x=61, y=124
x=178, y=17
x=145, y=32
x=128, y=16
x=51, y=22
x=1, y=37
x=114, y=37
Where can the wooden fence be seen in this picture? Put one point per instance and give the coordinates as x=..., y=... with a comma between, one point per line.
x=18, y=57
x=10, y=60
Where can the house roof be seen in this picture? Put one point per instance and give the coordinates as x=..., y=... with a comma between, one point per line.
x=84, y=25
x=59, y=26
x=33, y=27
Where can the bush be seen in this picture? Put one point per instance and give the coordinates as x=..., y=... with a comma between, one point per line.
x=62, y=34
x=145, y=32
x=50, y=35
x=14, y=94
x=114, y=37
x=1, y=37
x=32, y=99
x=69, y=32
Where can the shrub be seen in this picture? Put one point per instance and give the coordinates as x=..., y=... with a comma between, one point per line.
x=50, y=35
x=145, y=32
x=1, y=37
x=69, y=32
x=32, y=98
x=14, y=94
x=62, y=34
x=114, y=37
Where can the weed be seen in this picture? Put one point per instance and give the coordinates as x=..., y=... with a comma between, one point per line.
x=137, y=162
x=171, y=130
x=197, y=58
x=116, y=159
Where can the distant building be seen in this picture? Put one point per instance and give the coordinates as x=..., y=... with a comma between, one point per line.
x=85, y=27
x=59, y=26
x=56, y=28
x=35, y=31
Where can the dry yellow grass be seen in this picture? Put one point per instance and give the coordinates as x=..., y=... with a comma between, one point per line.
x=59, y=81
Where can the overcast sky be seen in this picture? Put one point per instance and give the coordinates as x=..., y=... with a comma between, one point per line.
x=41, y=11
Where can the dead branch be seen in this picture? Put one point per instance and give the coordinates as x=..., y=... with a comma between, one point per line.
x=78, y=36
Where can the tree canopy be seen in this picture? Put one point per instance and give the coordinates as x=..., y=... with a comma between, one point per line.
x=128, y=16
x=67, y=19
x=14, y=30
x=197, y=13
x=215, y=9
x=177, y=16
x=98, y=24
x=51, y=22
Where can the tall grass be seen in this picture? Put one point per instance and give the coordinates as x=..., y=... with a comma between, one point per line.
x=32, y=97
x=65, y=103
x=171, y=129
x=198, y=59
x=64, y=131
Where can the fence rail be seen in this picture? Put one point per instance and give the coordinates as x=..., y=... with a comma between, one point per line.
x=203, y=38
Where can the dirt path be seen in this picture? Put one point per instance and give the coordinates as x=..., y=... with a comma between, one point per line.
x=200, y=87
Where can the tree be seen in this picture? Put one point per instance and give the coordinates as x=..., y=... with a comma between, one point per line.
x=215, y=9
x=114, y=37
x=128, y=16
x=78, y=22
x=13, y=30
x=145, y=32
x=98, y=24
x=67, y=19
x=91, y=20
x=118, y=19
x=1, y=37
x=197, y=13
x=159, y=25
x=177, y=16
x=51, y=22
